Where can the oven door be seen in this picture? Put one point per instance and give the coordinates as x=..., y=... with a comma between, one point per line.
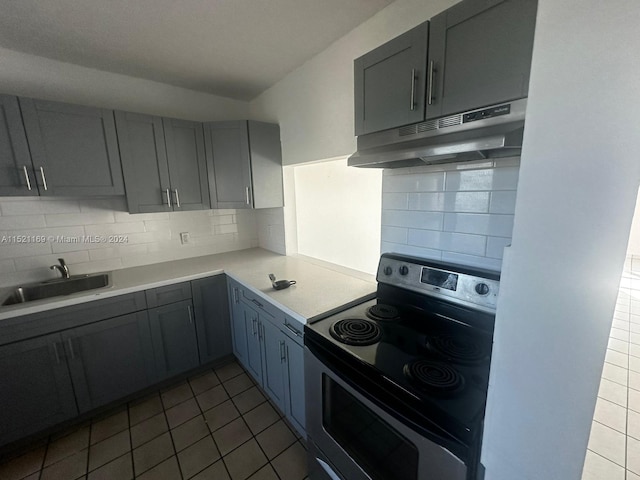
x=359, y=441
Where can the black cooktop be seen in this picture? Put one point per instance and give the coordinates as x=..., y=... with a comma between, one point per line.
x=430, y=362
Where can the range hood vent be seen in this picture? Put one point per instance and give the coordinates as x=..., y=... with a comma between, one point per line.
x=491, y=132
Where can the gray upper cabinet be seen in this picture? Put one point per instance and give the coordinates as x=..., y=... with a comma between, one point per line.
x=480, y=53
x=187, y=165
x=109, y=359
x=16, y=171
x=36, y=390
x=163, y=162
x=211, y=312
x=74, y=149
x=244, y=163
x=390, y=83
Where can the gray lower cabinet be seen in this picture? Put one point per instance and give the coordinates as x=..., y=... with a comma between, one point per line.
x=173, y=332
x=244, y=164
x=16, y=170
x=390, y=83
x=74, y=149
x=211, y=312
x=36, y=390
x=163, y=161
x=271, y=349
x=480, y=54
x=294, y=383
x=109, y=359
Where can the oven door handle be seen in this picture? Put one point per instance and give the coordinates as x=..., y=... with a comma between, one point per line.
x=329, y=471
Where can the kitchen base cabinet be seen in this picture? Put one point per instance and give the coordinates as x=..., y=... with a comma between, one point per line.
x=35, y=389
x=294, y=384
x=174, y=338
x=269, y=345
x=211, y=312
x=110, y=359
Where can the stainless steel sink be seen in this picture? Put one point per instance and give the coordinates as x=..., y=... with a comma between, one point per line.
x=56, y=288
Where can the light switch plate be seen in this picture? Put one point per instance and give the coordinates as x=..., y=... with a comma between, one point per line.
x=185, y=238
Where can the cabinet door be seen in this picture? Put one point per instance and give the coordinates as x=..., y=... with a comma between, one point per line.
x=109, y=359
x=274, y=356
x=16, y=172
x=239, y=335
x=254, y=339
x=266, y=165
x=228, y=164
x=211, y=311
x=481, y=54
x=174, y=338
x=390, y=83
x=187, y=164
x=36, y=390
x=295, y=409
x=74, y=148
x=144, y=162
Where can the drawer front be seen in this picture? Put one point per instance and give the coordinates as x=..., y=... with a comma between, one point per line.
x=42, y=323
x=157, y=297
x=259, y=303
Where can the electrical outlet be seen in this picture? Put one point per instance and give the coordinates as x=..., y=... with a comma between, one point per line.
x=185, y=238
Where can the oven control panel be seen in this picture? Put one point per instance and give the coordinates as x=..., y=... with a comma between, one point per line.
x=472, y=287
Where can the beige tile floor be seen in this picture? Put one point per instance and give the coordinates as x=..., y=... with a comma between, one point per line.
x=217, y=425
x=614, y=444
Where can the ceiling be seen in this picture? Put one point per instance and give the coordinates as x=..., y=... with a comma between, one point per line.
x=233, y=48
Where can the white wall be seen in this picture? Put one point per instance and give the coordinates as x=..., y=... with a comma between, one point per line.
x=314, y=103
x=338, y=213
x=38, y=77
x=633, y=248
x=460, y=212
x=579, y=176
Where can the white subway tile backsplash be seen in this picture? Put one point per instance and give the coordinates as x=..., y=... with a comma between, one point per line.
x=493, y=225
x=412, y=219
x=486, y=179
x=464, y=215
x=503, y=202
x=427, y=182
x=496, y=246
x=394, y=234
x=15, y=222
x=67, y=225
x=66, y=219
x=395, y=201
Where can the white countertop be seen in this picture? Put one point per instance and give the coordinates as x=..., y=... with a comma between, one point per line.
x=321, y=287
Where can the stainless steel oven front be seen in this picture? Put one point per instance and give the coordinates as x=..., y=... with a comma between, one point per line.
x=352, y=438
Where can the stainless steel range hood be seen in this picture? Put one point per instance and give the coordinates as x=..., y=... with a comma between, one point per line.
x=490, y=132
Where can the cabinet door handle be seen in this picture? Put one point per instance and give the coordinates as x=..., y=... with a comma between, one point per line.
x=190, y=314
x=26, y=176
x=246, y=189
x=282, y=354
x=44, y=179
x=413, y=89
x=236, y=298
x=292, y=330
x=253, y=322
x=175, y=191
x=71, y=352
x=256, y=302
x=168, y=197
x=260, y=331
x=430, y=93
x=55, y=351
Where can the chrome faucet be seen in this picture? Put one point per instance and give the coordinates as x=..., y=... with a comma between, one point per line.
x=62, y=268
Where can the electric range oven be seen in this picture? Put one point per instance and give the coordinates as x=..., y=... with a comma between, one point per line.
x=396, y=386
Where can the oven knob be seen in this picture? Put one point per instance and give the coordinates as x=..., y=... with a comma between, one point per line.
x=482, y=288
x=387, y=271
x=403, y=270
